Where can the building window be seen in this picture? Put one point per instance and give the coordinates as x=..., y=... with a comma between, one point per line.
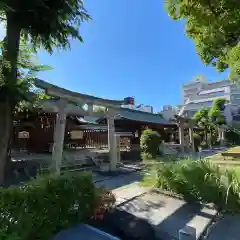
x=236, y=117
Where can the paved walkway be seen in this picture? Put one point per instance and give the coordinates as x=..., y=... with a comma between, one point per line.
x=167, y=215
x=210, y=152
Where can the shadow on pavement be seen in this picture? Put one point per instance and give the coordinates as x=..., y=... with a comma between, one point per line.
x=125, y=226
x=169, y=227
x=120, y=181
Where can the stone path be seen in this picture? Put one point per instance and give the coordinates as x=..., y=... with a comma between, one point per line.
x=167, y=215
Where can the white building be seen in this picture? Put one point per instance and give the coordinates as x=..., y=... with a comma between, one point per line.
x=140, y=107
x=168, y=112
x=200, y=93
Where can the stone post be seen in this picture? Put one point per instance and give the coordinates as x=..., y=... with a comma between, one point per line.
x=222, y=135
x=187, y=233
x=112, y=143
x=181, y=136
x=118, y=149
x=191, y=138
x=59, y=133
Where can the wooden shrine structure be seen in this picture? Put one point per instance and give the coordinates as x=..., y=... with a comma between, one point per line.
x=62, y=120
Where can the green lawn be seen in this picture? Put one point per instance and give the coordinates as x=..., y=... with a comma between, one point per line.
x=149, y=179
x=234, y=150
x=219, y=159
x=227, y=163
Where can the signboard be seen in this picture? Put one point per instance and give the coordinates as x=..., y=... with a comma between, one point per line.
x=129, y=101
x=76, y=134
x=23, y=135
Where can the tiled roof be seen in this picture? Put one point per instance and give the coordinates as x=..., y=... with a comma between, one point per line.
x=141, y=116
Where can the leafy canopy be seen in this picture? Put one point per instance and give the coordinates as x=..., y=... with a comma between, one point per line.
x=202, y=118
x=48, y=24
x=24, y=94
x=215, y=112
x=28, y=68
x=214, y=26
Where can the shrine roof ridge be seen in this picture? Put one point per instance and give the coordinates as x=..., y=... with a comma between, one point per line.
x=55, y=90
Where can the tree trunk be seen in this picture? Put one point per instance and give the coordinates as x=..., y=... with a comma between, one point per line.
x=7, y=103
x=5, y=133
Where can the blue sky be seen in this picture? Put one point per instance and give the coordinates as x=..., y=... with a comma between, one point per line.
x=131, y=48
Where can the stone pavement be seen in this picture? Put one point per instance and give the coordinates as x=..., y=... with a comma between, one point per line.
x=167, y=215
x=119, y=181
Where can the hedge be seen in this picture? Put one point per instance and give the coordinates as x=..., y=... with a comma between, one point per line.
x=43, y=207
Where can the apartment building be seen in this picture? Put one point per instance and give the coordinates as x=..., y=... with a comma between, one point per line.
x=201, y=93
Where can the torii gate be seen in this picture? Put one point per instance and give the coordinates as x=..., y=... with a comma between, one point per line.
x=64, y=96
x=182, y=124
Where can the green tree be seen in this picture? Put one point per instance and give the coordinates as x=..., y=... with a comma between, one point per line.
x=214, y=26
x=211, y=120
x=203, y=121
x=25, y=96
x=216, y=115
x=43, y=23
x=216, y=110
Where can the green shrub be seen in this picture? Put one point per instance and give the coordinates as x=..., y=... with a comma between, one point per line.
x=149, y=143
x=201, y=181
x=43, y=207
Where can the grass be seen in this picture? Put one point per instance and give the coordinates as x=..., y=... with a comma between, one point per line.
x=199, y=181
x=150, y=178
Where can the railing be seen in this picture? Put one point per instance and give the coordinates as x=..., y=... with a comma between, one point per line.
x=95, y=139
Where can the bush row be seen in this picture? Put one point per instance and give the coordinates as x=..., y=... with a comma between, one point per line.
x=43, y=207
x=201, y=181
